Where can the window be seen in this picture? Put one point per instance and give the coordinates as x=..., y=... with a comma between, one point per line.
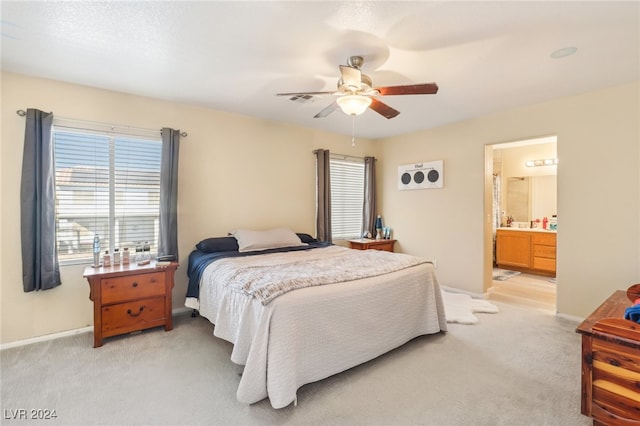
x=105, y=184
x=347, y=197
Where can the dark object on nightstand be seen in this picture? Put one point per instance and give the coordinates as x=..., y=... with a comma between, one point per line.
x=166, y=258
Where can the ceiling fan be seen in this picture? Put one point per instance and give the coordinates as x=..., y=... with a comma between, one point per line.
x=356, y=92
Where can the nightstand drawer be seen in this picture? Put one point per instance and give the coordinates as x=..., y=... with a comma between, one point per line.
x=126, y=317
x=368, y=244
x=120, y=289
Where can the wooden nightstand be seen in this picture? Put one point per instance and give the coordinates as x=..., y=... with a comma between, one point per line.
x=129, y=298
x=368, y=244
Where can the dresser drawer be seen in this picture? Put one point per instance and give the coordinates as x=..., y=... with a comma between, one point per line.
x=615, y=376
x=544, y=251
x=120, y=289
x=130, y=316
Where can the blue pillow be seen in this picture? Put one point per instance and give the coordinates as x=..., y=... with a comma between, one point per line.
x=212, y=245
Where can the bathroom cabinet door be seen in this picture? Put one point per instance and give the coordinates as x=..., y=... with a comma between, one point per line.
x=513, y=248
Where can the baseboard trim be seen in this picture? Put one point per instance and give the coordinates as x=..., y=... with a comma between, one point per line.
x=46, y=337
x=572, y=318
x=66, y=333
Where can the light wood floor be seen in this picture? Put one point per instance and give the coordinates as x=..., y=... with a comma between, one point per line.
x=526, y=289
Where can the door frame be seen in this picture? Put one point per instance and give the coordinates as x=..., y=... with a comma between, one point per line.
x=487, y=270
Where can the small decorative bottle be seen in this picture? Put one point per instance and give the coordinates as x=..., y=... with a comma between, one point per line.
x=138, y=252
x=146, y=251
x=106, y=259
x=379, y=227
x=125, y=256
x=116, y=256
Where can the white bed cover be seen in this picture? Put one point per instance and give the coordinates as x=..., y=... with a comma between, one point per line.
x=312, y=333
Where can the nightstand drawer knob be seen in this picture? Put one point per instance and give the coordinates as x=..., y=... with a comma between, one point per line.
x=135, y=284
x=135, y=315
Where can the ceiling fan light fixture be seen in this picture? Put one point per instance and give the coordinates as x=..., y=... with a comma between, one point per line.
x=354, y=104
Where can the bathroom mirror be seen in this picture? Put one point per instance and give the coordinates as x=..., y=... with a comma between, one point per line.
x=531, y=197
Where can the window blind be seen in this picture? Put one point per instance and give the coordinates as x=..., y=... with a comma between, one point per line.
x=105, y=184
x=347, y=197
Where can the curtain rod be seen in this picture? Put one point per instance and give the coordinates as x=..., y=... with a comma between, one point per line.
x=23, y=113
x=343, y=156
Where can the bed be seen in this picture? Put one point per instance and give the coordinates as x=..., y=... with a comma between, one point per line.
x=336, y=315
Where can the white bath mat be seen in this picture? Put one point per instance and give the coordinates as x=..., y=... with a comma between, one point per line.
x=460, y=308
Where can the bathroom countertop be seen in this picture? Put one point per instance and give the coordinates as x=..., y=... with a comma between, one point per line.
x=506, y=228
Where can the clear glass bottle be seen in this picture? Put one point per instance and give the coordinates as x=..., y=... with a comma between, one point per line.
x=146, y=251
x=116, y=256
x=96, y=250
x=125, y=256
x=138, y=252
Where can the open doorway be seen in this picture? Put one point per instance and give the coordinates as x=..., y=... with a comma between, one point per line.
x=521, y=226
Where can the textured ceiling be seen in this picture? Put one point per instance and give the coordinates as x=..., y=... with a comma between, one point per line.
x=234, y=56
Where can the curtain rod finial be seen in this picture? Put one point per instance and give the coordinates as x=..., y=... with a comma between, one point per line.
x=21, y=112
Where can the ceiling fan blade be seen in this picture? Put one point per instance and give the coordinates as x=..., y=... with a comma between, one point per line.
x=328, y=110
x=306, y=93
x=351, y=77
x=410, y=89
x=383, y=109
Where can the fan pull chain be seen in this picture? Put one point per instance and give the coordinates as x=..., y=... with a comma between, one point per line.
x=353, y=130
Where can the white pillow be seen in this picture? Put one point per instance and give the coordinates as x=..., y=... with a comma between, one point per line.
x=249, y=240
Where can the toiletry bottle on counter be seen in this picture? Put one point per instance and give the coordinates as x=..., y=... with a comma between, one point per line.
x=553, y=224
x=545, y=221
x=116, y=256
x=125, y=256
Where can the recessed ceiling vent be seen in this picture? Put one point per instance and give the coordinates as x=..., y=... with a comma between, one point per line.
x=302, y=98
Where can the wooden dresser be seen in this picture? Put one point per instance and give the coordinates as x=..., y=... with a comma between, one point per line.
x=369, y=244
x=129, y=298
x=611, y=362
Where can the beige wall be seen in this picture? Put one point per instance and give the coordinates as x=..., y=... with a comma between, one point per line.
x=513, y=160
x=598, y=204
x=234, y=172
x=225, y=182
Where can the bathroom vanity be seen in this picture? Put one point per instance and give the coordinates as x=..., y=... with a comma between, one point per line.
x=526, y=250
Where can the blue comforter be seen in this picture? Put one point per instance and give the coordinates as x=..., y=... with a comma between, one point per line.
x=199, y=260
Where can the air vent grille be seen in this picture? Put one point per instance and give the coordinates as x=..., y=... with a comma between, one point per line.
x=302, y=98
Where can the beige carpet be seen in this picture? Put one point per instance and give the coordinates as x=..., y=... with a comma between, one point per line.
x=519, y=367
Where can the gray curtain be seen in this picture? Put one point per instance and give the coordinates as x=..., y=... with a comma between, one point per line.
x=40, y=269
x=369, y=206
x=168, y=234
x=323, y=191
